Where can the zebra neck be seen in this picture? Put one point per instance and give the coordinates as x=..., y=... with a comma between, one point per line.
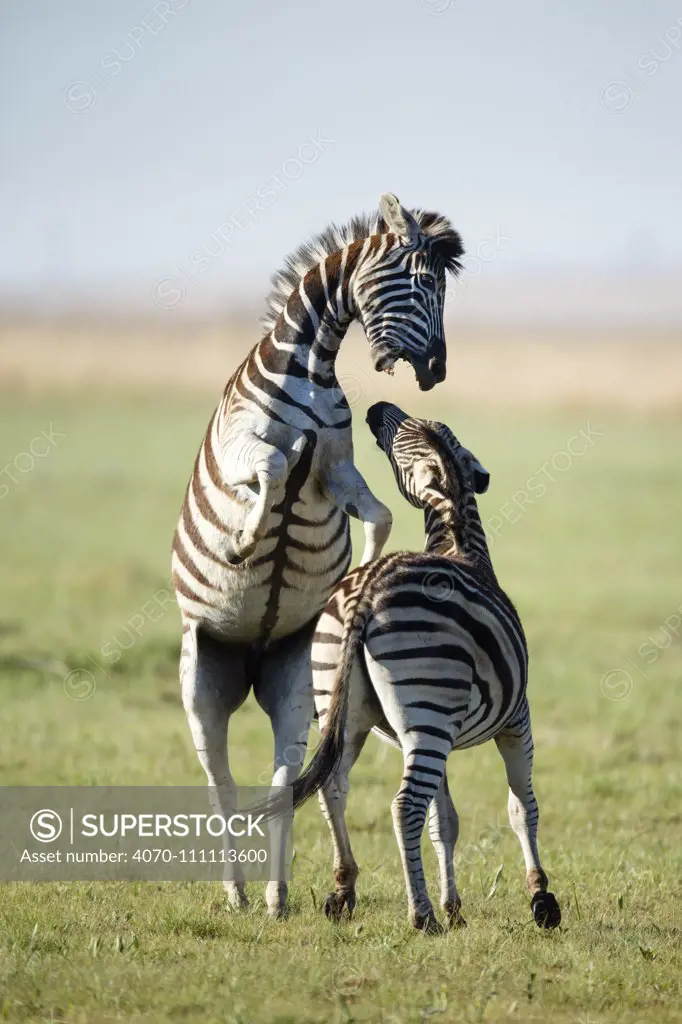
x=316, y=318
x=454, y=530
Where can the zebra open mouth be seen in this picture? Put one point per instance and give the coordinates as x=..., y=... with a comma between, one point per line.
x=425, y=378
x=386, y=363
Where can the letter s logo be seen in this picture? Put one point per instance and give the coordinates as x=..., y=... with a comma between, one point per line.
x=46, y=826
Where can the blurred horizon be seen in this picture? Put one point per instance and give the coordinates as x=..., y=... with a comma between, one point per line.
x=163, y=156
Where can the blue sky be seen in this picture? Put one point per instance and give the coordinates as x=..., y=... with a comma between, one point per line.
x=146, y=134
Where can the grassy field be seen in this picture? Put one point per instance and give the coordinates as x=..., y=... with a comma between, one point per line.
x=594, y=564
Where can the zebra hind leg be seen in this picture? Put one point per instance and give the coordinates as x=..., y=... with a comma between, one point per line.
x=284, y=691
x=424, y=760
x=333, y=799
x=213, y=686
x=363, y=713
x=515, y=744
x=443, y=831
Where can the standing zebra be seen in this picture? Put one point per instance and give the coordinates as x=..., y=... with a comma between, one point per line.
x=263, y=536
x=428, y=649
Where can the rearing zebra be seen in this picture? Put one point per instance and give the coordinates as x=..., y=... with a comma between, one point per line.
x=429, y=649
x=263, y=537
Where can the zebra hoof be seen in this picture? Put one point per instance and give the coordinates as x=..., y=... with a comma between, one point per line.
x=237, y=900
x=427, y=923
x=456, y=920
x=276, y=895
x=545, y=910
x=453, y=913
x=335, y=904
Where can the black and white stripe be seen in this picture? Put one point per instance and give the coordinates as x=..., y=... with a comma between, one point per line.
x=263, y=536
x=428, y=649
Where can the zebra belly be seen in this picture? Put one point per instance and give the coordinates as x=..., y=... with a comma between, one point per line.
x=242, y=620
x=264, y=603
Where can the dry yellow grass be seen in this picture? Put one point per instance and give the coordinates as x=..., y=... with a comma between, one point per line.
x=543, y=368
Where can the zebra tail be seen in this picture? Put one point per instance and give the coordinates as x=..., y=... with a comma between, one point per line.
x=326, y=758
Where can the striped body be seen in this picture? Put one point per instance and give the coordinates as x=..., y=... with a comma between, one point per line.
x=428, y=650
x=305, y=548
x=442, y=648
x=263, y=536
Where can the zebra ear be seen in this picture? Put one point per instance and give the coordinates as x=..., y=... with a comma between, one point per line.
x=398, y=220
x=481, y=477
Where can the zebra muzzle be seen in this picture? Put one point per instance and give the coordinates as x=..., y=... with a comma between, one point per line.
x=385, y=363
x=426, y=378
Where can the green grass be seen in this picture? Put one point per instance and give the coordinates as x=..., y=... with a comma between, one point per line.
x=594, y=567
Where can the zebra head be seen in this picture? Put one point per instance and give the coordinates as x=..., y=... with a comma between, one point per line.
x=425, y=455
x=399, y=289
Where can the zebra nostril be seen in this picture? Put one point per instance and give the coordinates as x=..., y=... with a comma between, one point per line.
x=437, y=368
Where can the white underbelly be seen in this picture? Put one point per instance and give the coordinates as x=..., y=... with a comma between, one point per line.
x=248, y=604
x=243, y=617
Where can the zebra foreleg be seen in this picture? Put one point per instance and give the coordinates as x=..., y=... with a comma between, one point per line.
x=443, y=832
x=213, y=686
x=266, y=469
x=345, y=485
x=515, y=744
x=284, y=690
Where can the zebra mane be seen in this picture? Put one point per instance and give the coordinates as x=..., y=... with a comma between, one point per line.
x=445, y=244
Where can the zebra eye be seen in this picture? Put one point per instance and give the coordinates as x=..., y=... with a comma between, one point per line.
x=427, y=282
